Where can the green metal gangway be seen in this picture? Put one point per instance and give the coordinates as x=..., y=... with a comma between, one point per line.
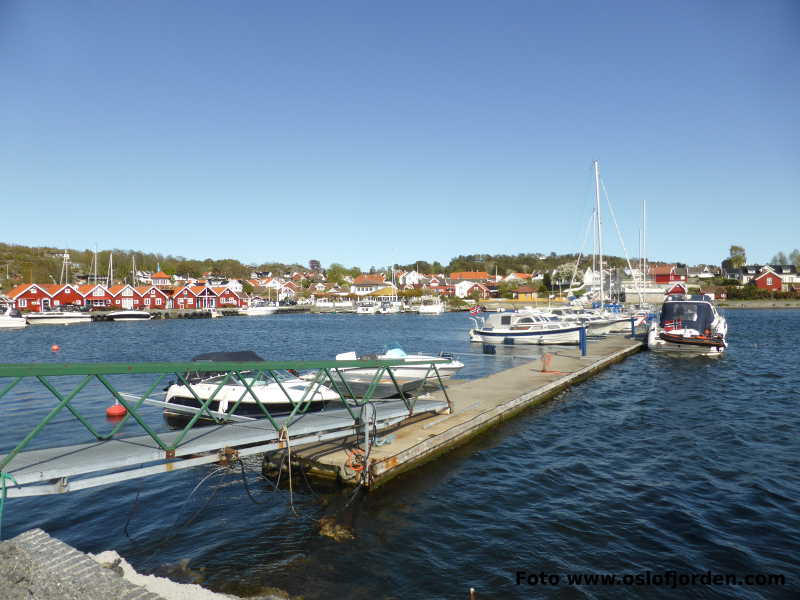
x=109, y=457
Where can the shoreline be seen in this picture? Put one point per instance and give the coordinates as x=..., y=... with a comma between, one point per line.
x=759, y=304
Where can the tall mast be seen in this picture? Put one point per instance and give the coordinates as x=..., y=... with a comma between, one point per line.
x=644, y=239
x=110, y=281
x=599, y=228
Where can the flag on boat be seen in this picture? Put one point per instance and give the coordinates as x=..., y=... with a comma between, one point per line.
x=474, y=310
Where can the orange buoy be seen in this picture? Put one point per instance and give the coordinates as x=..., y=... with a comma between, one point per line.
x=55, y=347
x=116, y=410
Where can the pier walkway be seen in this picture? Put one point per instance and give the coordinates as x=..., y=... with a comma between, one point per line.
x=476, y=406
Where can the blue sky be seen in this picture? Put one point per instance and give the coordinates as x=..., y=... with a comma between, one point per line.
x=375, y=132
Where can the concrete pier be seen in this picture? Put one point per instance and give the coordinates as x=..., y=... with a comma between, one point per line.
x=476, y=405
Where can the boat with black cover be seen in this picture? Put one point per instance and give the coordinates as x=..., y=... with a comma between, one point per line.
x=689, y=325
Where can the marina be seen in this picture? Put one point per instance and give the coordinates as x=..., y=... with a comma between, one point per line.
x=499, y=395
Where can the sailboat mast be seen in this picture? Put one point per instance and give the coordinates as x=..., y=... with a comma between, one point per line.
x=599, y=228
x=644, y=239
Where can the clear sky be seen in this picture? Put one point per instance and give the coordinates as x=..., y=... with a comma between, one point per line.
x=370, y=132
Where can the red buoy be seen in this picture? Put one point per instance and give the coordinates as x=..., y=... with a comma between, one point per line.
x=55, y=347
x=116, y=410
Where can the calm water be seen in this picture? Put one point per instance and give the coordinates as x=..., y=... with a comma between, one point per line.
x=656, y=464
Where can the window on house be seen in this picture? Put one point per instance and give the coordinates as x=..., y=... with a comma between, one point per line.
x=22, y=303
x=769, y=280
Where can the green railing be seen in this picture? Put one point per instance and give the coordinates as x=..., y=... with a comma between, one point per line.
x=330, y=374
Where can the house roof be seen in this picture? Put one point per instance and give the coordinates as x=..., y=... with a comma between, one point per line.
x=375, y=279
x=221, y=290
x=767, y=270
x=469, y=275
x=160, y=275
x=525, y=289
x=20, y=289
x=145, y=289
x=662, y=270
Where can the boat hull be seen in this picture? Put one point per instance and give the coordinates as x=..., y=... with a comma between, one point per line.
x=258, y=311
x=677, y=346
x=510, y=336
x=65, y=319
x=13, y=323
x=133, y=315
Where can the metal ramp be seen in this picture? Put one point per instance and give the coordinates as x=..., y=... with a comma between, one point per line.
x=110, y=459
x=48, y=471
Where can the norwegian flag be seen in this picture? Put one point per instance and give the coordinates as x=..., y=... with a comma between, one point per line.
x=474, y=310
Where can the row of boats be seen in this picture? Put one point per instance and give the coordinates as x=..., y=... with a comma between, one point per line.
x=687, y=325
x=11, y=318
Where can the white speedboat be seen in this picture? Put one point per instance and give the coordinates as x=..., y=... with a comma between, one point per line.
x=258, y=308
x=526, y=328
x=367, y=307
x=388, y=308
x=278, y=395
x=65, y=315
x=129, y=315
x=689, y=325
x=417, y=365
x=431, y=307
x=11, y=318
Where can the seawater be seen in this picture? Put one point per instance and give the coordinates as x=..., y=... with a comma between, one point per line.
x=656, y=464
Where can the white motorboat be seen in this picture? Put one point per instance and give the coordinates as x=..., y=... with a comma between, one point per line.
x=11, y=318
x=431, y=307
x=388, y=308
x=417, y=365
x=367, y=307
x=259, y=308
x=129, y=315
x=64, y=315
x=689, y=325
x=525, y=328
x=278, y=395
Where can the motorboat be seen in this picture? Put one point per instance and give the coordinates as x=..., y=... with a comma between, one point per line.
x=431, y=307
x=689, y=325
x=258, y=308
x=525, y=328
x=416, y=365
x=278, y=393
x=129, y=315
x=367, y=307
x=11, y=318
x=63, y=315
x=388, y=308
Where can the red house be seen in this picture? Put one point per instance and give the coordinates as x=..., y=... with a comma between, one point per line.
x=678, y=288
x=768, y=280
x=96, y=295
x=126, y=297
x=161, y=278
x=29, y=297
x=152, y=297
x=184, y=297
x=667, y=274
x=227, y=297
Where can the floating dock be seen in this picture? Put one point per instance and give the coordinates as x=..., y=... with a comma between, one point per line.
x=475, y=406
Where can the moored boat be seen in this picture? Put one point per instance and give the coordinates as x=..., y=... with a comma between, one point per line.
x=526, y=328
x=278, y=393
x=129, y=315
x=64, y=315
x=689, y=325
x=11, y=318
x=417, y=365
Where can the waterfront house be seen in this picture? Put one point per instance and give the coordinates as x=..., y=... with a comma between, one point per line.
x=667, y=274
x=126, y=297
x=153, y=297
x=227, y=297
x=95, y=295
x=768, y=279
x=29, y=297
x=481, y=276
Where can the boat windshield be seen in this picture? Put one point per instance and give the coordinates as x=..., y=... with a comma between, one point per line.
x=687, y=315
x=251, y=378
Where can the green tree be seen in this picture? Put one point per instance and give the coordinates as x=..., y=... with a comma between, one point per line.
x=737, y=257
x=794, y=258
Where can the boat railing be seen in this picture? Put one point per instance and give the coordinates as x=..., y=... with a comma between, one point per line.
x=104, y=382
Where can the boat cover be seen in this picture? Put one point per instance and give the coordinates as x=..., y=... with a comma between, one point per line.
x=686, y=315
